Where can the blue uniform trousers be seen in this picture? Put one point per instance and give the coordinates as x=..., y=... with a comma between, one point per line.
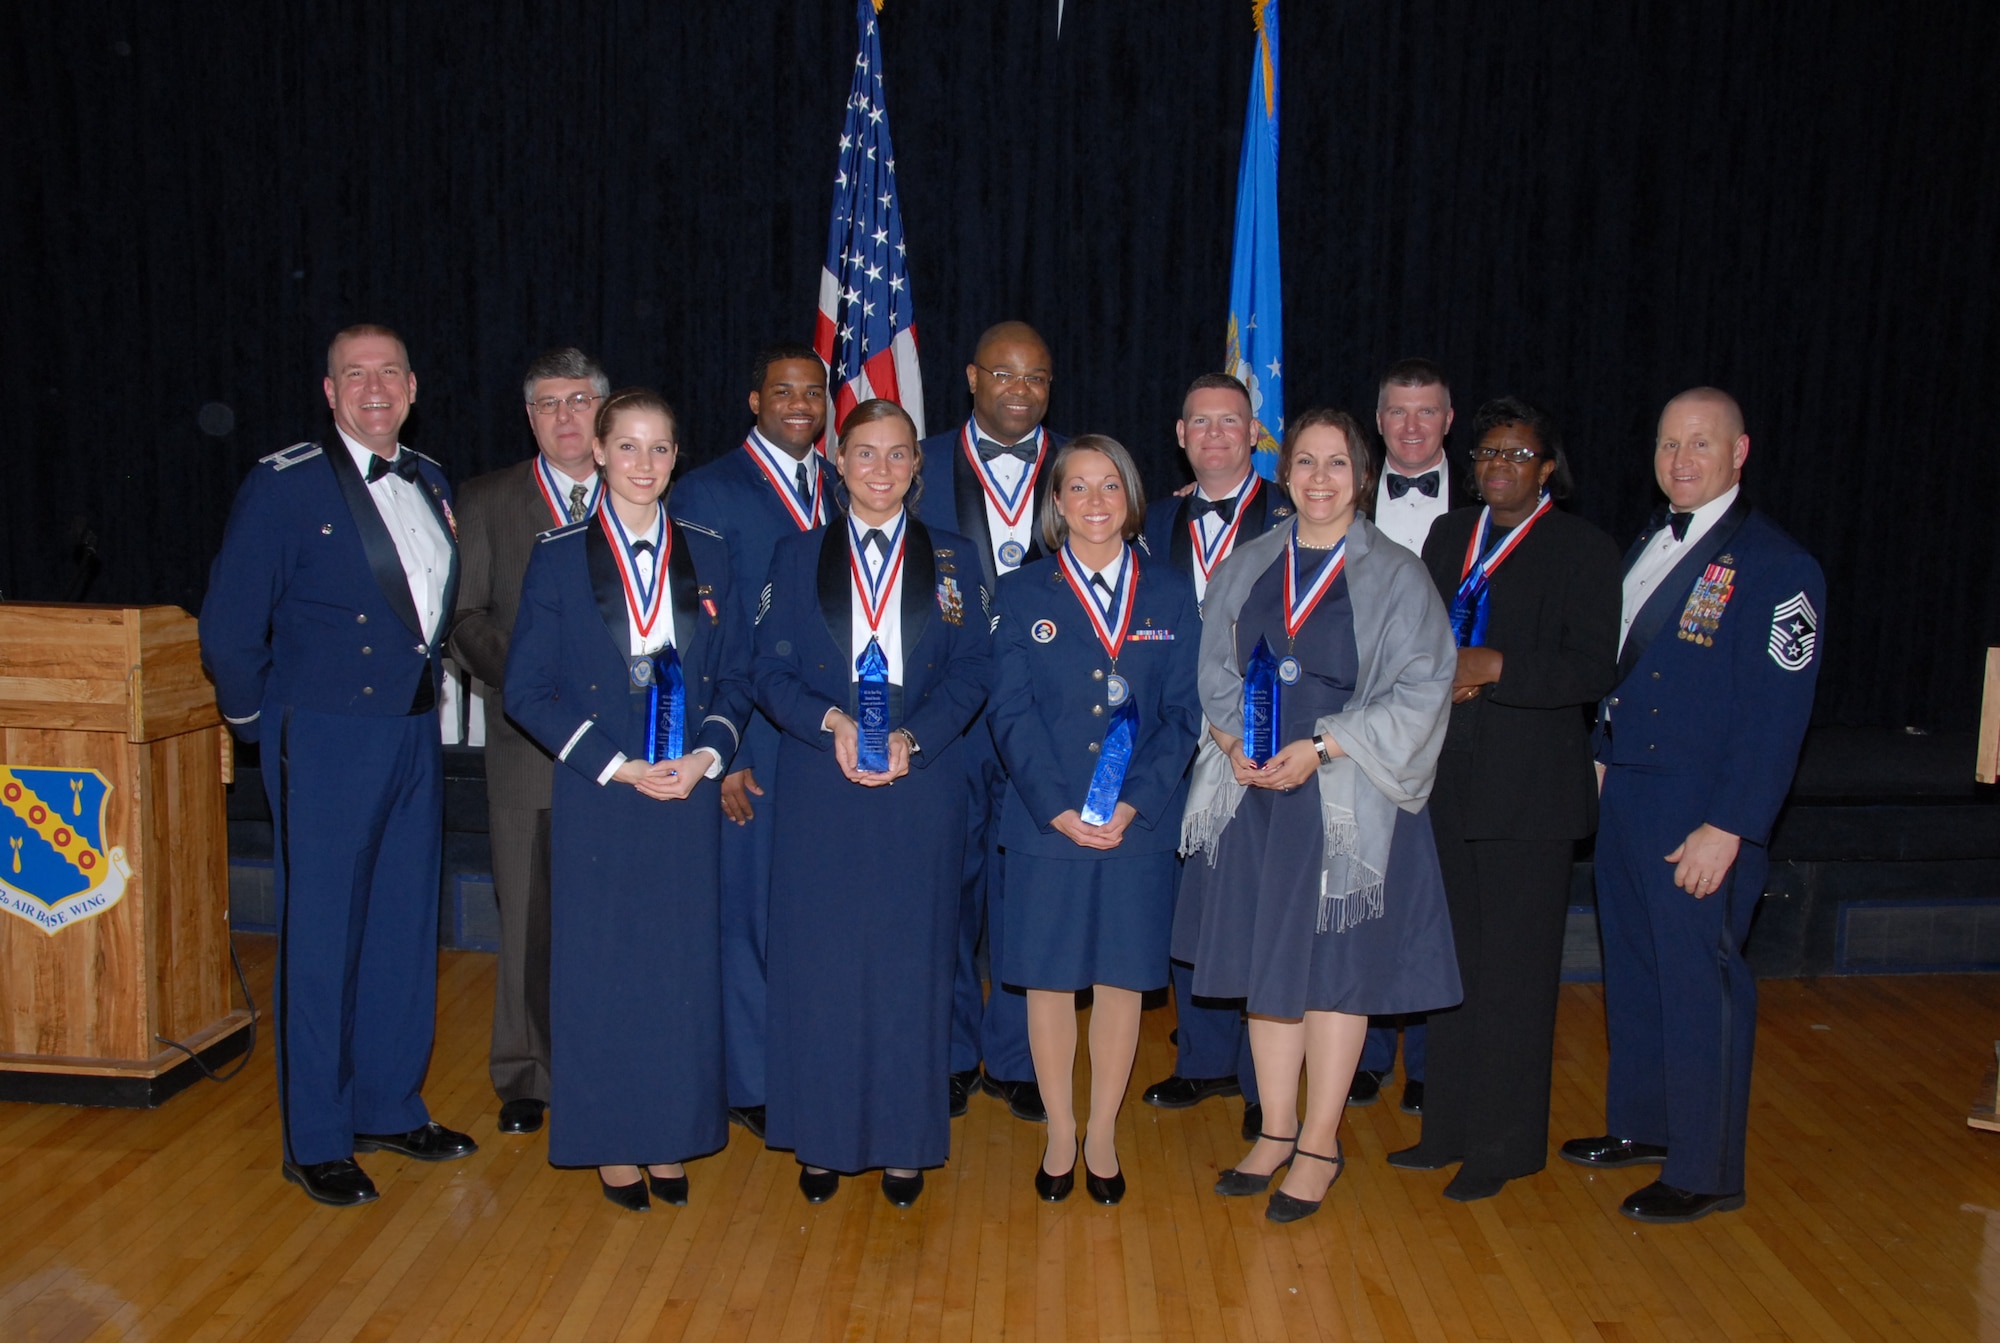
x=1378, y=1051
x=746, y=922
x=1213, y=1041
x=357, y=809
x=997, y=1031
x=1680, y=1002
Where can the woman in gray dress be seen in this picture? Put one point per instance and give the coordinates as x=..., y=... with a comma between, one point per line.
x=1317, y=896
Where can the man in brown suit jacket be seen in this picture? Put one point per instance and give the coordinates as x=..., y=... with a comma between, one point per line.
x=499, y=516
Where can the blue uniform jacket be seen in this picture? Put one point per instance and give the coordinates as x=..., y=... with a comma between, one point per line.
x=805, y=652
x=1167, y=538
x=732, y=497
x=569, y=682
x=1048, y=711
x=307, y=602
x=1716, y=677
x=952, y=499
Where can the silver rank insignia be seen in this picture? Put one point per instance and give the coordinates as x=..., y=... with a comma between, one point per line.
x=1794, y=633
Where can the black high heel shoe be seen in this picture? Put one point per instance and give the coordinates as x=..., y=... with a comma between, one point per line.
x=902, y=1190
x=1106, y=1190
x=1284, y=1208
x=1234, y=1183
x=631, y=1197
x=819, y=1186
x=669, y=1189
x=1056, y=1188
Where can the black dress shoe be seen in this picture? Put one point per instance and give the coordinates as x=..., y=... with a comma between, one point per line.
x=1106, y=1190
x=631, y=1197
x=1365, y=1089
x=1609, y=1153
x=432, y=1142
x=1413, y=1098
x=669, y=1189
x=1467, y=1187
x=1234, y=1183
x=1421, y=1158
x=962, y=1086
x=1056, y=1188
x=338, y=1184
x=750, y=1117
x=1178, y=1093
x=1024, y=1099
x=902, y=1190
x=1253, y=1121
x=1661, y=1202
x=521, y=1116
x=818, y=1186
x=1284, y=1208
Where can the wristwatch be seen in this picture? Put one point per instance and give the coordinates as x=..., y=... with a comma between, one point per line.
x=909, y=737
x=1319, y=745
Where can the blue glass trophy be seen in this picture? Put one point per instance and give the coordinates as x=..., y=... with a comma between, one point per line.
x=666, y=709
x=1260, y=705
x=1113, y=759
x=871, y=693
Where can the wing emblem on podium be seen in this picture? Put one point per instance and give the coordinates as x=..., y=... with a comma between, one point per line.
x=57, y=868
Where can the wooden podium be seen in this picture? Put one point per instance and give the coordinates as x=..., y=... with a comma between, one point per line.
x=114, y=886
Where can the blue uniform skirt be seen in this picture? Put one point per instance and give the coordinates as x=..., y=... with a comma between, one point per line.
x=1097, y=919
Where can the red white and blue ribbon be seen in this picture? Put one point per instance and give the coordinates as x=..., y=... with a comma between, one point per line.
x=556, y=497
x=1300, y=596
x=874, y=592
x=1109, y=628
x=805, y=520
x=643, y=601
x=1207, y=557
x=1469, y=604
x=1011, y=505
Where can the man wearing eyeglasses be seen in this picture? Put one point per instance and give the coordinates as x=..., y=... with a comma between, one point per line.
x=500, y=515
x=1413, y=414
x=983, y=480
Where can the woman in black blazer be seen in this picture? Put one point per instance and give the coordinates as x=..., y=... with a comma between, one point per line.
x=1534, y=597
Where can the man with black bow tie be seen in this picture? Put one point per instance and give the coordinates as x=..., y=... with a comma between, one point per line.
x=321, y=628
x=983, y=481
x=1413, y=414
x=1196, y=532
x=500, y=514
x=1695, y=746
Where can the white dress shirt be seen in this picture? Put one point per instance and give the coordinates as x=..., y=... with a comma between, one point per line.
x=1660, y=556
x=421, y=543
x=563, y=484
x=1407, y=521
x=1210, y=528
x=890, y=631
x=1008, y=473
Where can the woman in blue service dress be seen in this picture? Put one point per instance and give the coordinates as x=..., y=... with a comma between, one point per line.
x=1095, y=716
x=874, y=613
x=1318, y=895
x=616, y=611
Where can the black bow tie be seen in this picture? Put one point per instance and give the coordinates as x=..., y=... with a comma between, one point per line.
x=1426, y=485
x=405, y=466
x=1677, y=521
x=641, y=547
x=1025, y=450
x=874, y=537
x=1222, y=508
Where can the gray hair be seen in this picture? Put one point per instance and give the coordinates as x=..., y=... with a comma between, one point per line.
x=568, y=362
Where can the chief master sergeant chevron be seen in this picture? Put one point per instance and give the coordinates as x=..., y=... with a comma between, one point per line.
x=321, y=628
x=1695, y=745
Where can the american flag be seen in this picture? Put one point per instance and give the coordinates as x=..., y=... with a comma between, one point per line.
x=867, y=330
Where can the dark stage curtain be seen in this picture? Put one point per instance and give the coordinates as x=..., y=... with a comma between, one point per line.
x=1588, y=205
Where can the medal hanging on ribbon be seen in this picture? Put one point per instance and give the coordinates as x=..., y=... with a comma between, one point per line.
x=666, y=708
x=1114, y=756
x=871, y=685
x=1469, y=605
x=805, y=519
x=1011, y=507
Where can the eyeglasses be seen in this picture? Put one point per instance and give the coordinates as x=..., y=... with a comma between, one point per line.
x=578, y=403
x=1515, y=455
x=1005, y=377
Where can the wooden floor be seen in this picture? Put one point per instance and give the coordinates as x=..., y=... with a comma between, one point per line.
x=1874, y=1213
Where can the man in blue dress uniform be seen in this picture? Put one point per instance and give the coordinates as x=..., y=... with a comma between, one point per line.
x=321, y=629
x=1696, y=747
x=1195, y=532
x=772, y=486
x=500, y=515
x=983, y=480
